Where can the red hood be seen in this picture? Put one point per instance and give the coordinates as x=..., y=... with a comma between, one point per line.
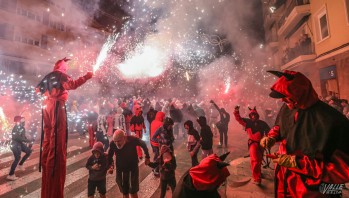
x=206, y=175
x=253, y=111
x=61, y=66
x=160, y=116
x=299, y=89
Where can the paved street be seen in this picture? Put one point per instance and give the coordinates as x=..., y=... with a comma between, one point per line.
x=238, y=184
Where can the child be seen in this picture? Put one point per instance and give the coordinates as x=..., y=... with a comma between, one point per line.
x=97, y=166
x=167, y=163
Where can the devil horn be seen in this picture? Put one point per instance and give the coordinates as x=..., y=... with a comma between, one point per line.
x=249, y=108
x=221, y=165
x=222, y=157
x=279, y=74
x=65, y=59
x=254, y=108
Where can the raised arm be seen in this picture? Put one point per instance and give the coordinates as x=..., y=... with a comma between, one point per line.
x=73, y=84
x=238, y=117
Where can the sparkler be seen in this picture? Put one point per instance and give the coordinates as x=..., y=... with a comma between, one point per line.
x=111, y=40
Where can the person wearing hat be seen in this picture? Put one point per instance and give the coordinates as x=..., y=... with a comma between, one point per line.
x=97, y=166
x=167, y=163
x=17, y=146
x=313, y=153
x=126, y=162
x=53, y=153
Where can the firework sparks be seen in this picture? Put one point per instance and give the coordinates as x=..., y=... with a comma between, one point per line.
x=187, y=75
x=105, y=50
x=146, y=62
x=227, y=85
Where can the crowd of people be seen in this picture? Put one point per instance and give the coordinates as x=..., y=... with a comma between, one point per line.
x=312, y=135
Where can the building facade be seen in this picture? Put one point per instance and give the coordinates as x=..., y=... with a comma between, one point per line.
x=36, y=33
x=310, y=36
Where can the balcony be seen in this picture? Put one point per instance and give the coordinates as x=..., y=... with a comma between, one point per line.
x=301, y=53
x=296, y=11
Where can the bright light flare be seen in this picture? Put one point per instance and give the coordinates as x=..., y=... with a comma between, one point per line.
x=105, y=50
x=227, y=85
x=187, y=76
x=145, y=62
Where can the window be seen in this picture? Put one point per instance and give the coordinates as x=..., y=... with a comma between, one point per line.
x=322, y=25
x=6, y=31
x=346, y=6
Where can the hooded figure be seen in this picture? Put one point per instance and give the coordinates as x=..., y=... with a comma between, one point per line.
x=204, y=179
x=167, y=163
x=206, y=137
x=164, y=134
x=155, y=125
x=151, y=114
x=314, y=150
x=54, y=136
x=255, y=129
x=97, y=165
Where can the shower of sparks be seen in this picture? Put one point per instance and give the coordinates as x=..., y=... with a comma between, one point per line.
x=227, y=85
x=144, y=63
x=105, y=50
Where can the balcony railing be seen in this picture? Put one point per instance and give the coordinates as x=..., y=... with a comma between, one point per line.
x=304, y=48
x=289, y=9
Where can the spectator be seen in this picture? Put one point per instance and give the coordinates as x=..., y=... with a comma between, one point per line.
x=126, y=163
x=167, y=163
x=97, y=166
x=193, y=140
x=18, y=145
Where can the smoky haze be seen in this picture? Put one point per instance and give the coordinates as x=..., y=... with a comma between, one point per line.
x=185, y=32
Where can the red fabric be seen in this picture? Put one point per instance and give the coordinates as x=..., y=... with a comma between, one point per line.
x=299, y=89
x=256, y=157
x=157, y=123
x=53, y=186
x=206, y=175
x=314, y=170
x=91, y=133
x=252, y=136
x=256, y=151
x=139, y=134
x=17, y=118
x=239, y=119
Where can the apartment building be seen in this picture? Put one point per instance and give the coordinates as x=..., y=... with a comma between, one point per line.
x=310, y=36
x=35, y=33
